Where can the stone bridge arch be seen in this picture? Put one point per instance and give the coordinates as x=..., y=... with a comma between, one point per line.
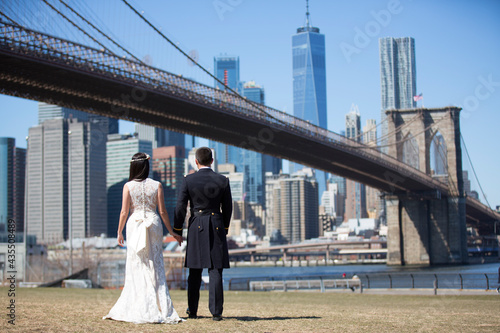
x=427, y=228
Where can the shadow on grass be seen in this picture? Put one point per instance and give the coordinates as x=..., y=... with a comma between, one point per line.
x=248, y=318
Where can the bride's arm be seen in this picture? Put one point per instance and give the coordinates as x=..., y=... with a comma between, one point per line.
x=123, y=214
x=164, y=215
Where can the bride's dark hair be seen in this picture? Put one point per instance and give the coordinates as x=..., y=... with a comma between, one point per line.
x=139, y=167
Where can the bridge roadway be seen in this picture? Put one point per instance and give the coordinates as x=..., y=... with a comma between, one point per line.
x=49, y=69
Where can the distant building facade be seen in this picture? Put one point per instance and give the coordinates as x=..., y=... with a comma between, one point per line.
x=295, y=206
x=370, y=132
x=159, y=137
x=355, y=205
x=66, y=172
x=398, y=76
x=227, y=70
x=167, y=166
x=50, y=111
x=374, y=204
x=12, y=182
x=271, y=223
x=119, y=151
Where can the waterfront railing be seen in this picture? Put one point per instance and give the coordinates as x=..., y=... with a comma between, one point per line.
x=486, y=281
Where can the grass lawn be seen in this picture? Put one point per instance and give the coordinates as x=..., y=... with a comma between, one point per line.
x=81, y=310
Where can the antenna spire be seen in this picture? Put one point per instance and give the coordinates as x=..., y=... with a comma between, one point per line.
x=307, y=13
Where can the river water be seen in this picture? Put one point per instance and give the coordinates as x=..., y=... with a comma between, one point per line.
x=378, y=274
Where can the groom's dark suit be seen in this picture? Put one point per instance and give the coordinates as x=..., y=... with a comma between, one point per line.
x=211, y=205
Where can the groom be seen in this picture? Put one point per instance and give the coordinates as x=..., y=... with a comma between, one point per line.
x=211, y=205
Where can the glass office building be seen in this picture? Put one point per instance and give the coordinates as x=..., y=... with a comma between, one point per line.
x=309, y=83
x=7, y=146
x=159, y=137
x=227, y=70
x=309, y=76
x=398, y=76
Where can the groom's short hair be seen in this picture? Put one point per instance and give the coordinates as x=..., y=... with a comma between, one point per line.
x=204, y=156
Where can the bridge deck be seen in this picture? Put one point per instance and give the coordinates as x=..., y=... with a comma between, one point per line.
x=45, y=68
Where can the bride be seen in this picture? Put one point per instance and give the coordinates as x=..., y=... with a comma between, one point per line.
x=145, y=297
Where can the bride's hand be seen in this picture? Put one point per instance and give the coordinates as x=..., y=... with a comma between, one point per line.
x=120, y=240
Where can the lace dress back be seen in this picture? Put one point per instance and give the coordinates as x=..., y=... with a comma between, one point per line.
x=145, y=297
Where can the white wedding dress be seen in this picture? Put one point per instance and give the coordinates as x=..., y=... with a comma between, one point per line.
x=145, y=297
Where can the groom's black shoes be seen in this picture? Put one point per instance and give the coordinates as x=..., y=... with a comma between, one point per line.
x=217, y=318
x=191, y=315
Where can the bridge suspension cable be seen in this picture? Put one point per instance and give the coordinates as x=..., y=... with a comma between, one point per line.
x=451, y=182
x=387, y=135
x=98, y=30
x=256, y=105
x=362, y=134
x=474, y=171
x=397, y=129
x=8, y=18
x=78, y=27
x=400, y=141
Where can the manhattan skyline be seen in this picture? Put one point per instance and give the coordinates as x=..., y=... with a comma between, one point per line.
x=456, y=59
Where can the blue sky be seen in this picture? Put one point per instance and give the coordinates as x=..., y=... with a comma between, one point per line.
x=457, y=52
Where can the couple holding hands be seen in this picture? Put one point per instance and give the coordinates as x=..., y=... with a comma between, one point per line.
x=145, y=297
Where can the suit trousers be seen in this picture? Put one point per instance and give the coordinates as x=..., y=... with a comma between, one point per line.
x=215, y=290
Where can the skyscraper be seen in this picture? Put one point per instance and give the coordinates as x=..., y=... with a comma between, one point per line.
x=271, y=222
x=370, y=132
x=373, y=201
x=309, y=82
x=87, y=199
x=159, y=137
x=398, y=76
x=227, y=70
x=329, y=199
x=50, y=111
x=254, y=165
x=253, y=92
x=7, y=146
x=295, y=207
x=256, y=94
x=167, y=166
x=19, y=187
x=353, y=124
x=439, y=165
x=355, y=206
x=119, y=151
x=65, y=180
x=340, y=184
x=12, y=180
x=309, y=75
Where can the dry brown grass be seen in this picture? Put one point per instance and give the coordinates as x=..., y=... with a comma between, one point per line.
x=79, y=310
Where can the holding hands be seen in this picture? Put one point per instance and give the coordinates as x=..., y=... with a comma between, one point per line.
x=178, y=238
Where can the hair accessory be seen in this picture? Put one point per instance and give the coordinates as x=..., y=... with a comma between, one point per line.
x=141, y=159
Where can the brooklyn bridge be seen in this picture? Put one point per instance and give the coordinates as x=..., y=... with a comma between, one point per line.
x=427, y=216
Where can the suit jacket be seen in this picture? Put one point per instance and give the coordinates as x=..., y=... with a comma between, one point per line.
x=209, y=194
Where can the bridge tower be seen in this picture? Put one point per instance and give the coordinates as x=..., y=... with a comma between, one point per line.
x=427, y=228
